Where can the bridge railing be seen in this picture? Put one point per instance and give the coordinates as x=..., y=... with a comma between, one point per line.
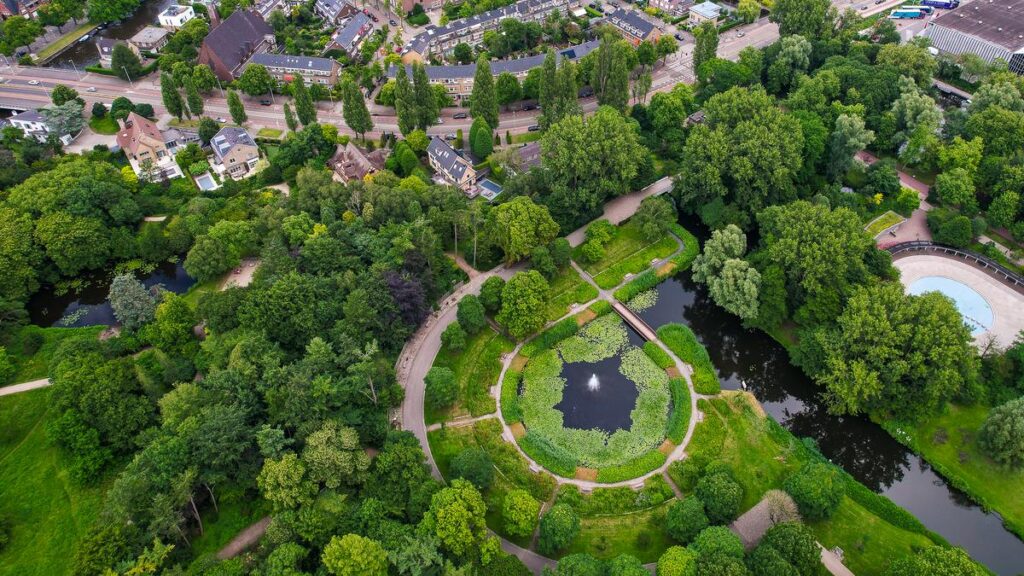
x=996, y=269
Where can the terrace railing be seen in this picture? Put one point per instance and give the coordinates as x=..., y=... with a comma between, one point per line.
x=997, y=270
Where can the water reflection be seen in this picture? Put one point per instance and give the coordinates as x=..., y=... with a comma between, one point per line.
x=84, y=53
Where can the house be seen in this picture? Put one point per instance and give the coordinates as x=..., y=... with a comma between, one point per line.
x=672, y=7
x=333, y=11
x=105, y=47
x=235, y=152
x=352, y=163
x=632, y=26
x=229, y=46
x=32, y=123
x=26, y=8
x=311, y=69
x=351, y=34
x=149, y=39
x=992, y=29
x=443, y=39
x=694, y=119
x=529, y=156
x=448, y=164
x=458, y=79
x=147, y=149
x=705, y=12
x=176, y=16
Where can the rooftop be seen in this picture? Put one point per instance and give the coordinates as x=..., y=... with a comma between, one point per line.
x=448, y=158
x=630, y=21
x=175, y=10
x=707, y=10
x=234, y=38
x=1000, y=22
x=348, y=33
x=295, y=62
x=514, y=66
x=29, y=116
x=420, y=42
x=229, y=137
x=149, y=35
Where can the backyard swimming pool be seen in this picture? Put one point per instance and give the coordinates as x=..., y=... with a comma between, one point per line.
x=975, y=311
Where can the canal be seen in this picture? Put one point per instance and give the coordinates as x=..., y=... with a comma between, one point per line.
x=84, y=53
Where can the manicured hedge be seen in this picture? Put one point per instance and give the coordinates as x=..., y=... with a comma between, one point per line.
x=642, y=282
x=601, y=307
x=618, y=500
x=691, y=247
x=548, y=455
x=510, y=409
x=681, y=340
x=679, y=420
x=548, y=338
x=632, y=469
x=660, y=357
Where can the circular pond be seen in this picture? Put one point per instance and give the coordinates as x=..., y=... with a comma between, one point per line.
x=974, y=309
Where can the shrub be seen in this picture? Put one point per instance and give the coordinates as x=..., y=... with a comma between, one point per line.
x=7, y=367
x=31, y=341
x=1002, y=434
x=508, y=565
x=442, y=388
x=519, y=513
x=686, y=519
x=580, y=565
x=721, y=496
x=552, y=457
x=679, y=420
x=956, y=231
x=548, y=338
x=474, y=465
x=660, y=357
x=454, y=337
x=650, y=460
x=558, y=528
x=471, y=314
x=626, y=565
x=717, y=540
x=818, y=489
x=677, y=561
x=686, y=473
x=936, y=561
x=99, y=110
x=591, y=252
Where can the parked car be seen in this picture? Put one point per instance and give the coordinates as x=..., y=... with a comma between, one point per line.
x=741, y=34
x=392, y=22
x=449, y=136
x=90, y=89
x=374, y=18
x=439, y=120
x=680, y=37
x=265, y=101
x=460, y=116
x=528, y=107
x=221, y=120
x=533, y=128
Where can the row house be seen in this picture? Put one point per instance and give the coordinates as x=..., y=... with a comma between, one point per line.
x=333, y=11
x=351, y=34
x=672, y=7
x=229, y=46
x=443, y=39
x=26, y=8
x=311, y=69
x=632, y=26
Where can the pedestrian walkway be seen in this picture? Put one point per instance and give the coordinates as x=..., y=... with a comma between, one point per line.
x=24, y=387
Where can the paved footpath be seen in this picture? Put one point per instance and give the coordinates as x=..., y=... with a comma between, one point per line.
x=24, y=387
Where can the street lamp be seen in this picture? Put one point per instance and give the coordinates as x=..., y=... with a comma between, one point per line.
x=73, y=65
x=219, y=86
x=129, y=76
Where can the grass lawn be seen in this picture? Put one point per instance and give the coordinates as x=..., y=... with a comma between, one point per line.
x=269, y=133
x=106, y=125
x=948, y=443
x=237, y=511
x=879, y=224
x=640, y=534
x=476, y=369
x=525, y=137
x=628, y=253
x=65, y=40
x=566, y=289
x=197, y=290
x=36, y=365
x=48, y=511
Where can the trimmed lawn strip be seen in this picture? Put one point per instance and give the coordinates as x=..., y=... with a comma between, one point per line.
x=510, y=410
x=48, y=511
x=476, y=369
x=885, y=220
x=64, y=41
x=681, y=340
x=632, y=469
x=949, y=443
x=870, y=528
x=679, y=419
x=636, y=262
x=628, y=252
x=568, y=288
x=37, y=365
x=640, y=534
x=660, y=357
x=651, y=278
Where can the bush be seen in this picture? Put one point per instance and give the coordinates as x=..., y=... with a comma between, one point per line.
x=7, y=367
x=548, y=338
x=548, y=455
x=519, y=513
x=679, y=420
x=473, y=464
x=591, y=251
x=471, y=314
x=490, y=294
x=686, y=473
x=717, y=540
x=442, y=388
x=677, y=561
x=1002, y=435
x=31, y=341
x=558, y=528
x=508, y=565
x=721, y=496
x=686, y=519
x=956, y=231
x=650, y=460
x=454, y=337
x=818, y=489
x=99, y=110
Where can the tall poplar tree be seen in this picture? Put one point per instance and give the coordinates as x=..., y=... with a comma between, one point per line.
x=706, y=47
x=484, y=102
x=236, y=108
x=356, y=115
x=195, y=101
x=171, y=97
x=405, y=105
x=548, y=88
x=426, y=101
x=289, y=118
x=305, y=109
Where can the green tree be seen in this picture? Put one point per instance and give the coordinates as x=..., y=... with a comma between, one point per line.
x=474, y=465
x=677, y=561
x=171, y=97
x=484, y=101
x=960, y=153
x=547, y=87
x=406, y=105
x=508, y=89
x=748, y=10
x=721, y=496
x=235, y=107
x=1002, y=212
x=256, y=80
x=909, y=59
x=793, y=60
x=193, y=98
x=626, y=565
x=289, y=118
x=490, y=294
x=717, y=540
x=20, y=257
x=654, y=216
x=20, y=31
x=796, y=544
x=62, y=94
x=454, y=337
x=706, y=44
x=333, y=455
x=456, y=517
x=808, y=18
x=471, y=314
x=132, y=303
x=353, y=555
x=480, y=138
x=357, y=116
x=305, y=109
x=686, y=519
x=736, y=288
x=463, y=53
x=519, y=513
x=818, y=489
x=125, y=63
x=1002, y=434
x=203, y=78
x=848, y=138
x=207, y=129
x=282, y=482
x=519, y=225
x=936, y=561
x=956, y=188
x=725, y=244
x=558, y=528
x=73, y=243
x=427, y=106
x=442, y=389
x=64, y=119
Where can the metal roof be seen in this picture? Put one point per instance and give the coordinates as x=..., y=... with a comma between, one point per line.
x=1000, y=22
x=708, y=10
x=296, y=62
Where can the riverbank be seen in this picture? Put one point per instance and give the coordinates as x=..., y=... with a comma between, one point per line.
x=58, y=46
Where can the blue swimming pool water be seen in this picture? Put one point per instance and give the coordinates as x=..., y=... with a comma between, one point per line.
x=972, y=306
x=206, y=182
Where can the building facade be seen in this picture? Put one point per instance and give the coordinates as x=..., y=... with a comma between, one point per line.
x=705, y=12
x=311, y=69
x=352, y=163
x=228, y=47
x=32, y=123
x=149, y=39
x=26, y=8
x=632, y=26
x=990, y=29
x=449, y=165
x=672, y=7
x=351, y=34
x=176, y=16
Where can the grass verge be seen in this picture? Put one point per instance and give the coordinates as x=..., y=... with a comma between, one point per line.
x=476, y=369
x=882, y=222
x=568, y=288
x=640, y=534
x=64, y=41
x=32, y=348
x=629, y=252
x=681, y=340
x=106, y=125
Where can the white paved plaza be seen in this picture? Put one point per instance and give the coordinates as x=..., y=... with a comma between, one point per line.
x=1006, y=303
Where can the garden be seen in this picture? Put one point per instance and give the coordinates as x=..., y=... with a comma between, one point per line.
x=471, y=369
x=610, y=252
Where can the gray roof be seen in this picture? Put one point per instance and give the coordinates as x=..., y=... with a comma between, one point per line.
x=174, y=10
x=29, y=116
x=106, y=45
x=421, y=41
x=631, y=22
x=149, y=35
x=447, y=157
x=515, y=66
x=329, y=9
x=707, y=9
x=297, y=62
x=530, y=155
x=229, y=39
x=227, y=138
x=999, y=22
x=348, y=33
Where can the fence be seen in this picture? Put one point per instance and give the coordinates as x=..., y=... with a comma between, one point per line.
x=994, y=268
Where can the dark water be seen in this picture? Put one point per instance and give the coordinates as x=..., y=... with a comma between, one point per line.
x=46, y=308
x=605, y=406
x=862, y=448
x=84, y=53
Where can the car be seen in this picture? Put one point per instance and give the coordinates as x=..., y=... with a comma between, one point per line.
x=741, y=34
x=392, y=22
x=221, y=120
x=528, y=107
x=265, y=102
x=460, y=116
x=877, y=2
x=533, y=128
x=862, y=7
x=449, y=136
x=439, y=120
x=374, y=113
x=374, y=18
x=680, y=37
x=90, y=89
x=33, y=82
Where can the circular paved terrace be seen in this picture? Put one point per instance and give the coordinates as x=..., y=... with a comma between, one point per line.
x=1007, y=304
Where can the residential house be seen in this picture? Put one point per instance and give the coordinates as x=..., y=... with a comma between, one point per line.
x=458, y=79
x=705, y=12
x=352, y=163
x=175, y=16
x=105, y=47
x=443, y=39
x=451, y=166
x=229, y=46
x=311, y=69
x=26, y=8
x=529, y=156
x=235, y=152
x=633, y=27
x=992, y=29
x=32, y=123
x=147, y=149
x=351, y=34
x=333, y=11
x=694, y=119
x=672, y=7
x=149, y=39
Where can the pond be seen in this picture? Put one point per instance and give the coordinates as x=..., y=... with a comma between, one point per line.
x=84, y=53
x=89, y=306
x=752, y=359
x=597, y=395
